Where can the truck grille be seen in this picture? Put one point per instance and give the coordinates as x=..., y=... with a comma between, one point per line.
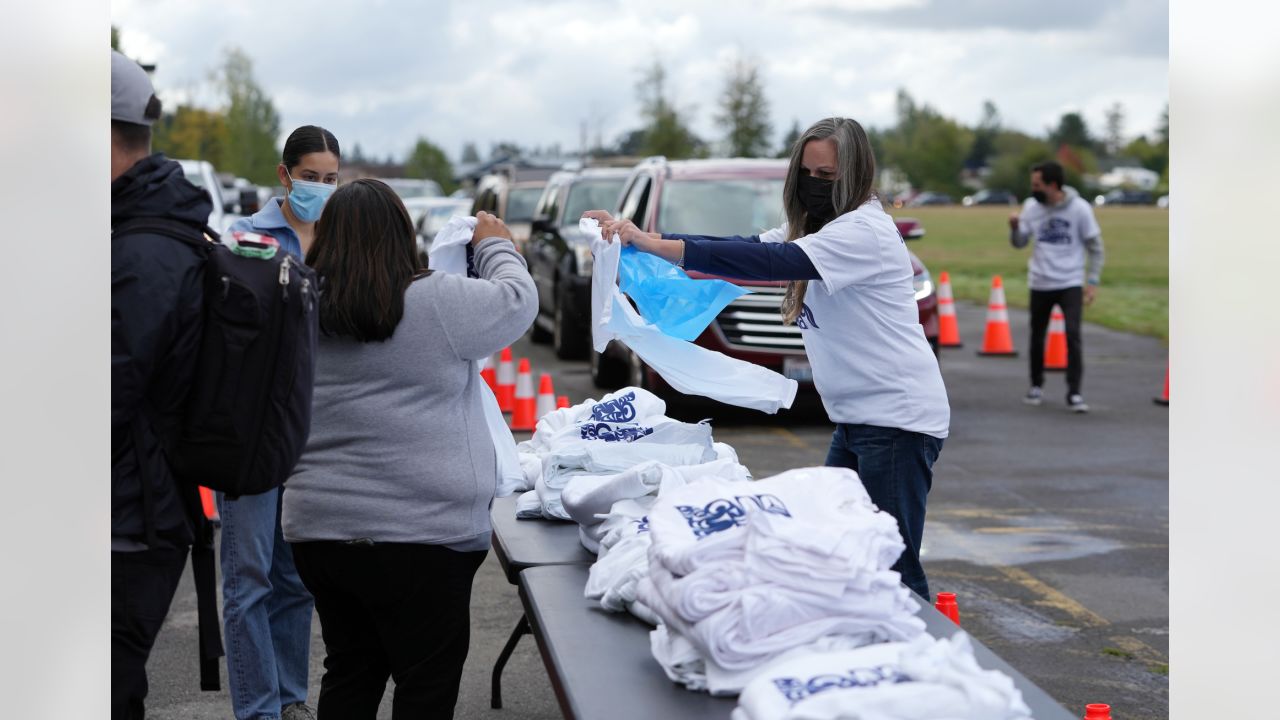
x=753, y=322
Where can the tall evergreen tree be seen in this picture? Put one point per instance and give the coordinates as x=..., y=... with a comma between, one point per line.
x=744, y=111
x=252, y=121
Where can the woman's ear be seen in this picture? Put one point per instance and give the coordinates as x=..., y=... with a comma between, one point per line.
x=282, y=173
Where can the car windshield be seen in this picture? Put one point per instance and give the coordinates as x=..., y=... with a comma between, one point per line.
x=193, y=174
x=721, y=207
x=413, y=189
x=591, y=195
x=520, y=204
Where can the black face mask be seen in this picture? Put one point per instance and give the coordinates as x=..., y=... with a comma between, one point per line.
x=815, y=196
x=1040, y=197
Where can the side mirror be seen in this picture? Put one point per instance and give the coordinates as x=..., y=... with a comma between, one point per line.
x=540, y=224
x=249, y=201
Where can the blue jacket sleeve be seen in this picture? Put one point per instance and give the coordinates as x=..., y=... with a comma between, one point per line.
x=712, y=238
x=749, y=261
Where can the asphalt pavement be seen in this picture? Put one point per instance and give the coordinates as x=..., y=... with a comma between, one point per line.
x=1051, y=528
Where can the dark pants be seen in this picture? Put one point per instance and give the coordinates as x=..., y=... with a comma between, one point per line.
x=142, y=586
x=390, y=610
x=1071, y=300
x=896, y=468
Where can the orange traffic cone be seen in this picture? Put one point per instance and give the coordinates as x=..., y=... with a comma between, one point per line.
x=1097, y=711
x=946, y=605
x=490, y=377
x=1164, y=399
x=948, y=328
x=562, y=402
x=209, y=505
x=996, y=339
x=1055, y=349
x=546, y=397
x=524, y=406
x=506, y=382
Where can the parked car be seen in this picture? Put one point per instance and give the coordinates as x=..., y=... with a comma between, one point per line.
x=1122, y=196
x=416, y=193
x=511, y=200
x=559, y=255
x=989, y=197
x=202, y=174
x=730, y=197
x=930, y=198
x=434, y=217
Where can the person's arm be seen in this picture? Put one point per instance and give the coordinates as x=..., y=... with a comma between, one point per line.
x=1094, y=255
x=483, y=315
x=1018, y=235
x=712, y=238
x=749, y=261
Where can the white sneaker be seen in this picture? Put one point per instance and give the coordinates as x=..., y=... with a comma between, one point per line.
x=1033, y=396
x=1076, y=404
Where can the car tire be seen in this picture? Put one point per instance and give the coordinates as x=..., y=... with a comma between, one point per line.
x=606, y=373
x=538, y=334
x=569, y=334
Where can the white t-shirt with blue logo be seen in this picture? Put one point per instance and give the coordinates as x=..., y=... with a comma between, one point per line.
x=1058, y=258
x=861, y=326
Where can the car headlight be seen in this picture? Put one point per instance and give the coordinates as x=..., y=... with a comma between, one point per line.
x=583, y=259
x=923, y=284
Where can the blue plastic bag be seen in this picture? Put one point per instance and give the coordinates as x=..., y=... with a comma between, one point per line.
x=665, y=296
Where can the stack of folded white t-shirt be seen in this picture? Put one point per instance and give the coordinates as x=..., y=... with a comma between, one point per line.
x=748, y=571
x=620, y=533
x=924, y=679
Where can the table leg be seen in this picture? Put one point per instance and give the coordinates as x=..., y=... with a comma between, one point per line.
x=521, y=629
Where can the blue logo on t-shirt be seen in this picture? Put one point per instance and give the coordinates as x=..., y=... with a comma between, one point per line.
x=805, y=319
x=795, y=689
x=722, y=514
x=614, y=433
x=1055, y=231
x=619, y=409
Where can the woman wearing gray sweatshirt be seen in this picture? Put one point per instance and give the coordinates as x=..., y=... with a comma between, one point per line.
x=387, y=510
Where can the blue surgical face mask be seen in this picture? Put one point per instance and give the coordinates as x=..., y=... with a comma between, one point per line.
x=308, y=198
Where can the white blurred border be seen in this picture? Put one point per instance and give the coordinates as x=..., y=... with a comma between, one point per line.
x=1225, y=352
x=54, y=381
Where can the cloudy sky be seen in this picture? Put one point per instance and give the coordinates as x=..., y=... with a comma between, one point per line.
x=383, y=72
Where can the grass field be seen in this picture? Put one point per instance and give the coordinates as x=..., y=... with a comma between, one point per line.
x=972, y=244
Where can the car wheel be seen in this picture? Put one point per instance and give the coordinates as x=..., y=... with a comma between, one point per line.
x=568, y=336
x=539, y=334
x=606, y=372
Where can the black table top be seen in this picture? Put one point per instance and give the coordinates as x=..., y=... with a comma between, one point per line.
x=601, y=667
x=522, y=544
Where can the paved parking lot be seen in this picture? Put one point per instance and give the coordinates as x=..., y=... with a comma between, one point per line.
x=1051, y=528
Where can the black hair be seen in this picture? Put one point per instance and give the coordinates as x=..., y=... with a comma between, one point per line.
x=365, y=252
x=1050, y=172
x=131, y=137
x=308, y=139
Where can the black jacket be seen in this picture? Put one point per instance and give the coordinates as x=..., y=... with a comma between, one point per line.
x=156, y=307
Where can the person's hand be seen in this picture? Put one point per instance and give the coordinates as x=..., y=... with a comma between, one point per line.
x=628, y=234
x=600, y=216
x=487, y=226
x=1090, y=293
x=1013, y=221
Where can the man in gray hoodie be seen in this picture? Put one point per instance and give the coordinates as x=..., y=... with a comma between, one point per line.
x=1065, y=231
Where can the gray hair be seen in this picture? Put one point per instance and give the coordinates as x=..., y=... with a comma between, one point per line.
x=855, y=175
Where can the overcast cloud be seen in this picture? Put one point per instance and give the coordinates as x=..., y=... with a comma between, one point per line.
x=382, y=73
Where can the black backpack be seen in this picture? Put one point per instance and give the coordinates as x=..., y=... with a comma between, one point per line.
x=248, y=413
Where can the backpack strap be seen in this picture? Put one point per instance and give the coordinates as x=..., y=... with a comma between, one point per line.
x=168, y=227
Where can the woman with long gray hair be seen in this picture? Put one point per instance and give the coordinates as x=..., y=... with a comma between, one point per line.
x=872, y=366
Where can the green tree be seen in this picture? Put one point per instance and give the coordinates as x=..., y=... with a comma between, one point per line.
x=115, y=38
x=469, y=154
x=984, y=137
x=252, y=121
x=927, y=147
x=1072, y=130
x=192, y=132
x=427, y=160
x=1113, y=142
x=744, y=111
x=789, y=140
x=665, y=129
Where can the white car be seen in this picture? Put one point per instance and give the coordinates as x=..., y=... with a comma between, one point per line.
x=202, y=174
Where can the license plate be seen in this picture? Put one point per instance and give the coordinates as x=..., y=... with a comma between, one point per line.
x=796, y=369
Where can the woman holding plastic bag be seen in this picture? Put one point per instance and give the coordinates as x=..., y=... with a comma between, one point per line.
x=387, y=510
x=872, y=366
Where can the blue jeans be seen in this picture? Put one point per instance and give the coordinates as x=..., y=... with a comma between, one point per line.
x=266, y=612
x=896, y=468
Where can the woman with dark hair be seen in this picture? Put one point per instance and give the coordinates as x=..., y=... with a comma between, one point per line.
x=387, y=511
x=266, y=610
x=872, y=366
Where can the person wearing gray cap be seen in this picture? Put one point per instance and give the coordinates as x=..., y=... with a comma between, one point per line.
x=156, y=308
